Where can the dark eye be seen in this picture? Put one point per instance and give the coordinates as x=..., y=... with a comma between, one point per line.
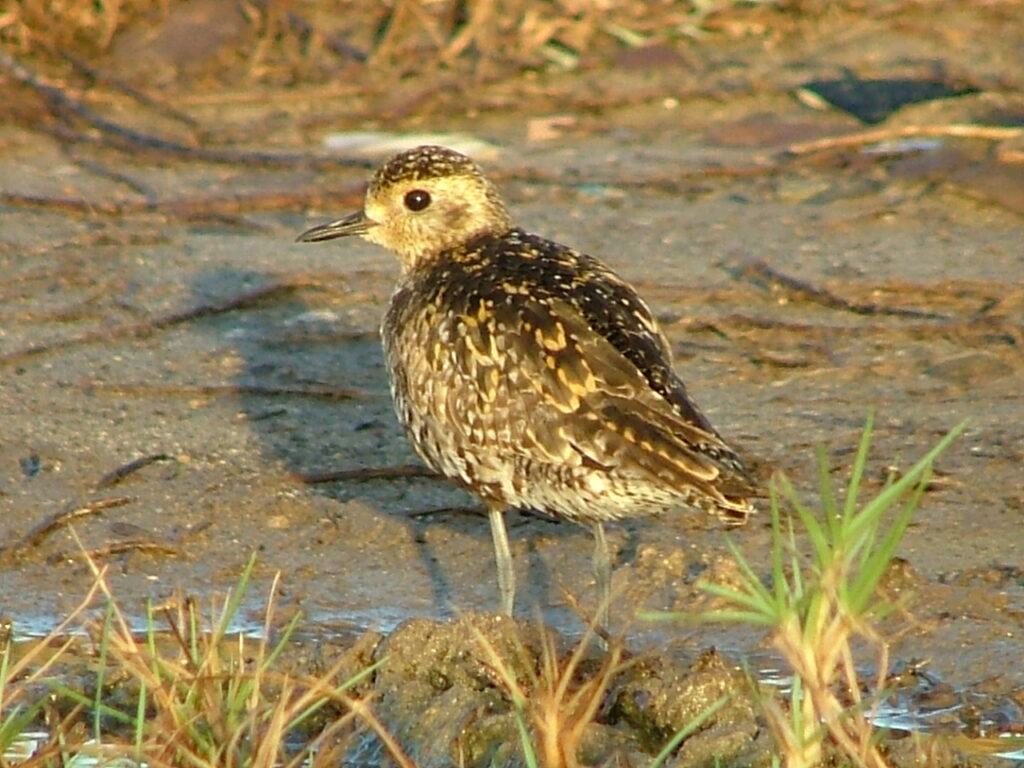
x=417, y=200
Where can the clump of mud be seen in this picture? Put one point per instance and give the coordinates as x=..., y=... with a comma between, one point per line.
x=443, y=690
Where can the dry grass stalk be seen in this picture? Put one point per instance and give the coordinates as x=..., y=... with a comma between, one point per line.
x=287, y=41
x=62, y=24
x=211, y=705
x=830, y=684
x=202, y=699
x=24, y=676
x=518, y=32
x=556, y=702
x=815, y=607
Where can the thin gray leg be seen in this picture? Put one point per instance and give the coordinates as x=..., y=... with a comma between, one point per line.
x=602, y=574
x=503, y=558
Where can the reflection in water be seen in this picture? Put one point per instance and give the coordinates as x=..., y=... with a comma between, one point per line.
x=30, y=742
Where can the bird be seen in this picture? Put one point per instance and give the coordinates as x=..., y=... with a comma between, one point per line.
x=528, y=372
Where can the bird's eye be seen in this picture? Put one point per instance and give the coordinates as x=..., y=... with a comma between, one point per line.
x=417, y=199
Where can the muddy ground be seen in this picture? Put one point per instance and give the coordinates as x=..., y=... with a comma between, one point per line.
x=197, y=335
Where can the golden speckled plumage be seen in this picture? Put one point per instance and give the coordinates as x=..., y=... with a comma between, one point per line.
x=526, y=371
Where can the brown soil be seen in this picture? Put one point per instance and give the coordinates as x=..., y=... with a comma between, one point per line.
x=171, y=316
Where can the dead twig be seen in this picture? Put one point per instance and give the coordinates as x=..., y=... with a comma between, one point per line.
x=98, y=169
x=366, y=473
x=957, y=130
x=260, y=390
x=161, y=322
x=416, y=513
x=287, y=339
x=239, y=301
x=676, y=180
x=361, y=709
x=141, y=97
x=123, y=137
x=348, y=195
x=120, y=547
x=800, y=289
x=352, y=194
x=588, y=618
x=45, y=528
x=115, y=476
x=333, y=43
x=969, y=332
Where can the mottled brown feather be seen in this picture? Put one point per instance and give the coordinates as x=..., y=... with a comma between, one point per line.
x=527, y=371
x=555, y=370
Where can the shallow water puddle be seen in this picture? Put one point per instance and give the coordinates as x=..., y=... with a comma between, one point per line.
x=28, y=744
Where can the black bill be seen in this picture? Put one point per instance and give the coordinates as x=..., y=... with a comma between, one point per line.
x=353, y=224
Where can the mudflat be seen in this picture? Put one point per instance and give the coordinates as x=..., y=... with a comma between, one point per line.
x=182, y=384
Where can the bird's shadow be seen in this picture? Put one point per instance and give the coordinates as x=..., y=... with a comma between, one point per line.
x=314, y=392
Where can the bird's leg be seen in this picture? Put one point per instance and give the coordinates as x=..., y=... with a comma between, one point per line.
x=602, y=562
x=503, y=557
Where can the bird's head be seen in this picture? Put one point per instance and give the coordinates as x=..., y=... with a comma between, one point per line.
x=421, y=203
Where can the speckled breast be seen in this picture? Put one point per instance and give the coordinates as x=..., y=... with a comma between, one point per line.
x=443, y=397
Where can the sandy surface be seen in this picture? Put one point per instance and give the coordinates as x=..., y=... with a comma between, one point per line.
x=121, y=337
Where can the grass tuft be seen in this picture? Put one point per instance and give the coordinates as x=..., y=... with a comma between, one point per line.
x=287, y=41
x=553, y=704
x=25, y=682
x=191, y=690
x=215, y=696
x=815, y=607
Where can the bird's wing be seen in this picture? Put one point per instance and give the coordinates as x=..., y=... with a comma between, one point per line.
x=537, y=361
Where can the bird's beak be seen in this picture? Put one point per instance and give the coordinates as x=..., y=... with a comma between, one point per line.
x=354, y=224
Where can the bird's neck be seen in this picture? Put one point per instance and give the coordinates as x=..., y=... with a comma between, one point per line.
x=467, y=250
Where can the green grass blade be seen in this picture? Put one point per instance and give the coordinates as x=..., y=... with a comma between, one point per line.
x=753, y=585
x=140, y=722
x=101, y=669
x=780, y=584
x=816, y=533
x=796, y=710
x=335, y=692
x=829, y=509
x=739, y=597
x=809, y=520
x=726, y=615
x=282, y=643
x=687, y=730
x=17, y=721
x=880, y=556
x=234, y=601
x=890, y=495
x=796, y=588
x=857, y=475
x=105, y=710
x=529, y=754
